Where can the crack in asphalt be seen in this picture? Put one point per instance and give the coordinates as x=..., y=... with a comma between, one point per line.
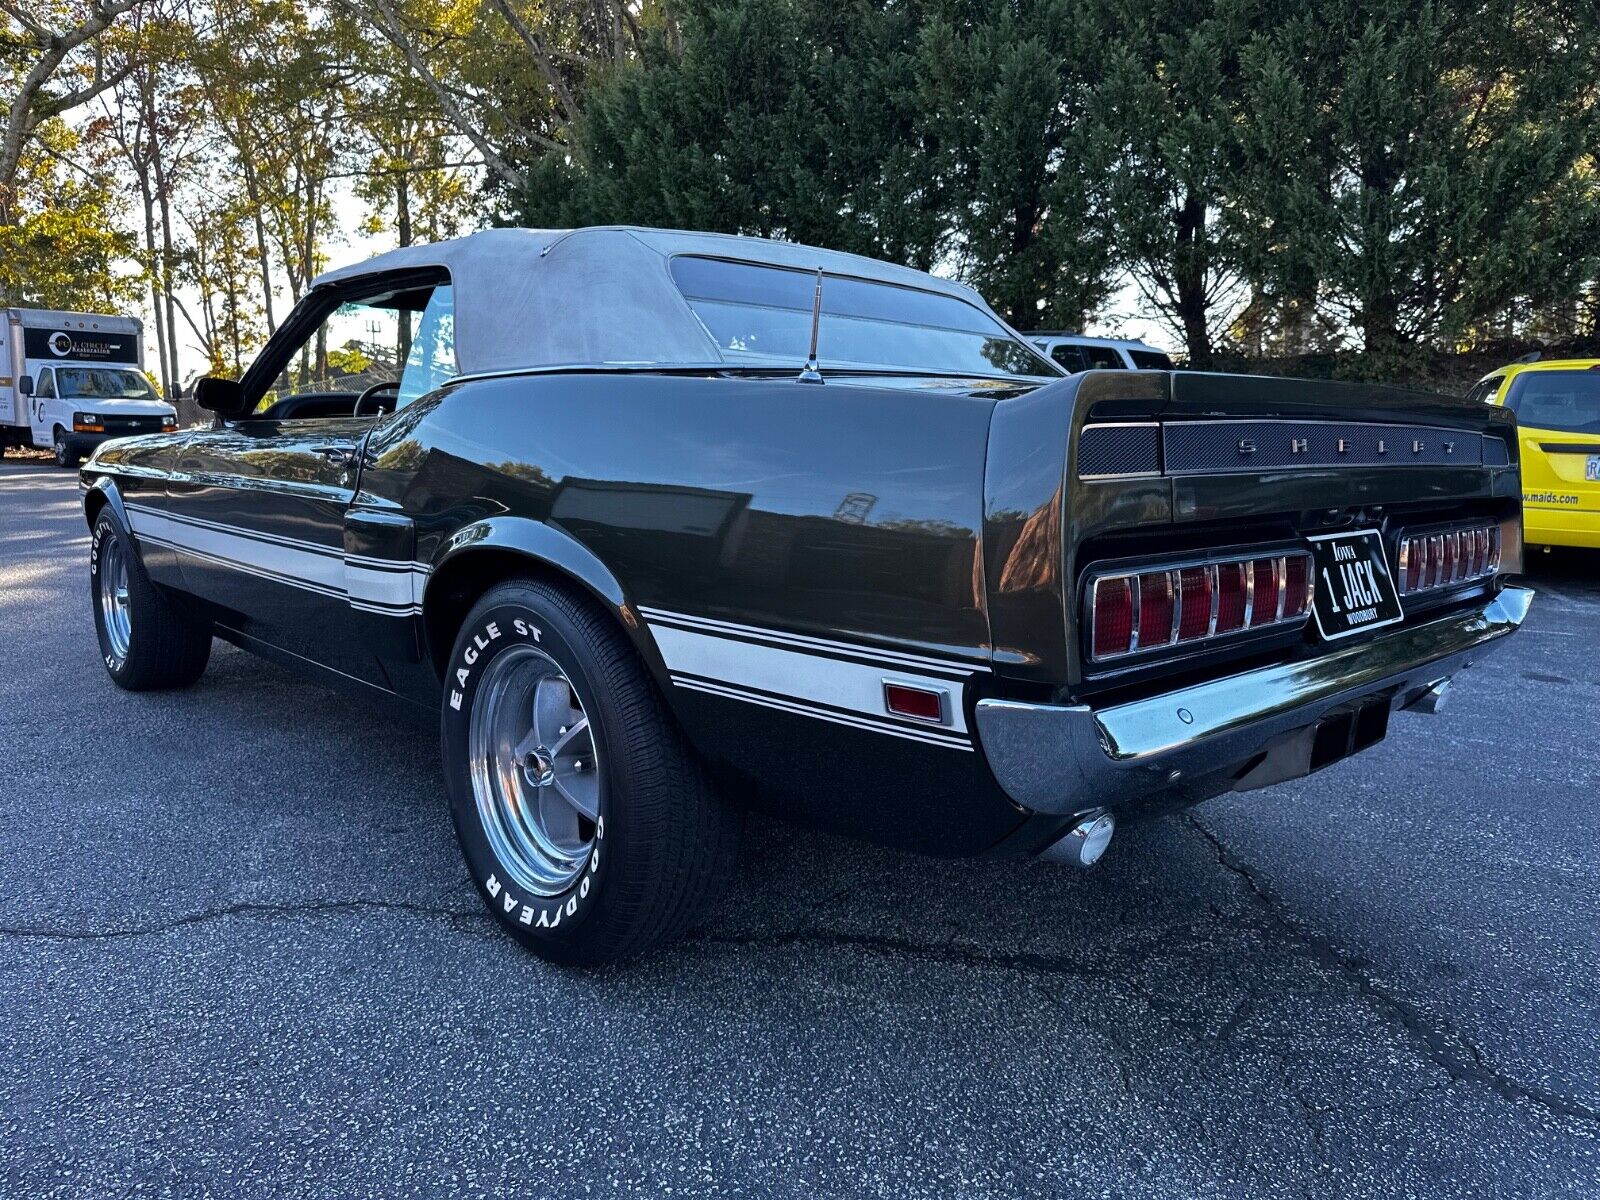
x=948, y=953
x=1447, y=1048
x=454, y=915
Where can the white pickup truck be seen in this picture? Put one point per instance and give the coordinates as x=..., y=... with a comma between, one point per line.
x=69, y=381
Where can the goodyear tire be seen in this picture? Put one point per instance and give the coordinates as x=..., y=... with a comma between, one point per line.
x=146, y=641
x=587, y=824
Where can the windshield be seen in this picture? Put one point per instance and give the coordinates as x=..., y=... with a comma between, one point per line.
x=1568, y=401
x=761, y=316
x=102, y=383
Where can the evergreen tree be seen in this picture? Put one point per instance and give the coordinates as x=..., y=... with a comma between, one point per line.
x=1422, y=161
x=1008, y=91
x=781, y=118
x=1171, y=94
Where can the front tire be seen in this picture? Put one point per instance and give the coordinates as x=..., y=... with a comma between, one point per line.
x=146, y=642
x=64, y=457
x=587, y=824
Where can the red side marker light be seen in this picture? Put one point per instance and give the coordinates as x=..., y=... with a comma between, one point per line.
x=920, y=704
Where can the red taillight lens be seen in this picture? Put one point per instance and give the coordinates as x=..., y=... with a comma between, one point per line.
x=1295, y=591
x=1432, y=560
x=1194, y=592
x=1264, y=610
x=1230, y=596
x=1113, y=616
x=1155, y=609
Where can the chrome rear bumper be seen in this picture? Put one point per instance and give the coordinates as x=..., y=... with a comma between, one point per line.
x=1068, y=759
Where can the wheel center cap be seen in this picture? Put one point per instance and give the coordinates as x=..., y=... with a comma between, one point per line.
x=539, y=768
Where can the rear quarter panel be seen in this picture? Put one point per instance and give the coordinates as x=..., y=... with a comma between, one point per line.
x=840, y=512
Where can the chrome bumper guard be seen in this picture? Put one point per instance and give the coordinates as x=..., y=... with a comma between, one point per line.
x=1069, y=759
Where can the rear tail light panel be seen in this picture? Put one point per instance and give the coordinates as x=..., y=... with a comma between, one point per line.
x=1432, y=560
x=1193, y=603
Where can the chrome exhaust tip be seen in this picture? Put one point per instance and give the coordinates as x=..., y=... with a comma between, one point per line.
x=1085, y=843
x=1432, y=698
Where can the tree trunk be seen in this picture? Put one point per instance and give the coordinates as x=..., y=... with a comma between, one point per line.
x=156, y=310
x=252, y=187
x=1189, y=270
x=402, y=225
x=1380, y=327
x=164, y=200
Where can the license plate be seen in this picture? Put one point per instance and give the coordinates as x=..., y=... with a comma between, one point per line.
x=1353, y=590
x=1591, y=470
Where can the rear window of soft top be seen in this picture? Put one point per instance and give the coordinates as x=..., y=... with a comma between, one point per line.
x=760, y=315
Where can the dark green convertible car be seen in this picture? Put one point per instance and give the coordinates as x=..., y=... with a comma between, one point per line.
x=665, y=524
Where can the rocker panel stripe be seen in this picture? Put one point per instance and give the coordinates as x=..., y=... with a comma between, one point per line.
x=730, y=693
x=391, y=588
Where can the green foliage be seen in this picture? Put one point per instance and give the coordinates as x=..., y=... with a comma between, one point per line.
x=1007, y=92
x=778, y=118
x=1268, y=172
x=1170, y=97
x=1292, y=177
x=63, y=248
x=1419, y=167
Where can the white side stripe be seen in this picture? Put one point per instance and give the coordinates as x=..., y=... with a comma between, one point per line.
x=900, y=731
x=389, y=587
x=857, y=687
x=839, y=682
x=853, y=649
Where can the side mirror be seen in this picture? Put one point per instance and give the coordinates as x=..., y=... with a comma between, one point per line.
x=25, y=385
x=222, y=396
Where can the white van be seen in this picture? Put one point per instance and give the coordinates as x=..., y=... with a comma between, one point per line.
x=1073, y=352
x=69, y=381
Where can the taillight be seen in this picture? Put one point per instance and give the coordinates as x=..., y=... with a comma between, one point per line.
x=1435, y=560
x=1156, y=608
x=1194, y=591
x=1266, y=586
x=1296, y=590
x=1230, y=596
x=1150, y=609
x=1113, y=616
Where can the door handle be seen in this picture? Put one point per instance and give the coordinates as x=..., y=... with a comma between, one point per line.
x=342, y=455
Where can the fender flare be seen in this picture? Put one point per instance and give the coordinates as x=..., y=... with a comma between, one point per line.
x=113, y=500
x=554, y=550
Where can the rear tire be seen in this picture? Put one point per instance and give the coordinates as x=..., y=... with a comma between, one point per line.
x=146, y=641
x=588, y=825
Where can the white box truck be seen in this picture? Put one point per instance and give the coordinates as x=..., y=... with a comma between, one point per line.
x=69, y=381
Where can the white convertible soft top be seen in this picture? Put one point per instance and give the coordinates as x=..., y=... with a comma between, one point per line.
x=601, y=296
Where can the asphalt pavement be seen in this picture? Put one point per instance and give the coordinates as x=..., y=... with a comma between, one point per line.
x=239, y=957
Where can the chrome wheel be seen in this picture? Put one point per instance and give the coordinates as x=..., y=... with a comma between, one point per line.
x=112, y=590
x=535, y=774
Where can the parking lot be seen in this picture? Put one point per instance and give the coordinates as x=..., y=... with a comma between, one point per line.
x=239, y=956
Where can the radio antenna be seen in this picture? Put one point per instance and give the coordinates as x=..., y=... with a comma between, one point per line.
x=809, y=372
